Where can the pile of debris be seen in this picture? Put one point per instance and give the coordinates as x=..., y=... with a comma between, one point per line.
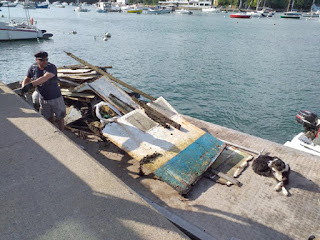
x=150, y=130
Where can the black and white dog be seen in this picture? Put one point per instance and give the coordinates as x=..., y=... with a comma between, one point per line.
x=273, y=167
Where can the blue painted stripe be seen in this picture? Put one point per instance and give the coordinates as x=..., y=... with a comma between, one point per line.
x=186, y=168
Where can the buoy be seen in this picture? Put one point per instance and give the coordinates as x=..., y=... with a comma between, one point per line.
x=31, y=21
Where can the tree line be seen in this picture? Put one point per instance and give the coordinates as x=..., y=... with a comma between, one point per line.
x=304, y=5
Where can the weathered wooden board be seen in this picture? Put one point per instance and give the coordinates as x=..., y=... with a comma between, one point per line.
x=186, y=168
x=105, y=89
x=230, y=161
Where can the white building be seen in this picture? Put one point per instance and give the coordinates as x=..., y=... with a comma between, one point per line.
x=102, y=4
x=190, y=3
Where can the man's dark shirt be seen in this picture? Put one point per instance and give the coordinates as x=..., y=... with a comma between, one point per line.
x=50, y=89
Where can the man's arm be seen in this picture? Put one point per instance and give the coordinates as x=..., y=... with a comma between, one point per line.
x=25, y=81
x=42, y=79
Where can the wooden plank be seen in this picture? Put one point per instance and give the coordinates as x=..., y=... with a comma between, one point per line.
x=77, y=66
x=109, y=76
x=76, y=94
x=157, y=116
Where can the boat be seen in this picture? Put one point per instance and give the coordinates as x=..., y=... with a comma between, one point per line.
x=21, y=31
x=13, y=30
x=255, y=14
x=183, y=11
x=312, y=13
x=29, y=5
x=211, y=9
x=42, y=4
x=103, y=7
x=133, y=10
x=307, y=141
x=60, y=5
x=240, y=15
x=291, y=14
x=80, y=9
x=9, y=4
x=159, y=10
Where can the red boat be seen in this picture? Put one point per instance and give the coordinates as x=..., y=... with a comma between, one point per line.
x=239, y=15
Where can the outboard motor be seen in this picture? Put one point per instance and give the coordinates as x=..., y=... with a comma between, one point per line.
x=310, y=123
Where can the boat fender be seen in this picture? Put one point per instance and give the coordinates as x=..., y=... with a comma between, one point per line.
x=31, y=21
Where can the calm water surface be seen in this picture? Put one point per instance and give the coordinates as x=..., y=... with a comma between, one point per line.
x=252, y=75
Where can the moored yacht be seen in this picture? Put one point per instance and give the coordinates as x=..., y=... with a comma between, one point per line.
x=21, y=31
x=183, y=11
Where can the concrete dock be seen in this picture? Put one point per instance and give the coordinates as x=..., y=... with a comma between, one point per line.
x=51, y=189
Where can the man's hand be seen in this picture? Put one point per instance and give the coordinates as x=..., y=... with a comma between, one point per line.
x=26, y=88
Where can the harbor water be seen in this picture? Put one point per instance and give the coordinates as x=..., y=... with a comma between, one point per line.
x=251, y=75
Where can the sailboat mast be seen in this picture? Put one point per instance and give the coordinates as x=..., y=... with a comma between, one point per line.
x=292, y=5
x=258, y=3
x=288, y=6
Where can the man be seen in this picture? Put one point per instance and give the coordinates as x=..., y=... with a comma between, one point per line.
x=43, y=75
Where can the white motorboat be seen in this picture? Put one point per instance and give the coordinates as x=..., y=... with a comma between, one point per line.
x=9, y=4
x=183, y=11
x=103, y=7
x=255, y=14
x=80, y=9
x=159, y=10
x=211, y=9
x=307, y=141
x=311, y=14
x=21, y=31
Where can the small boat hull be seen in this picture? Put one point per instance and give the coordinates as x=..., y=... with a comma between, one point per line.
x=239, y=16
x=288, y=16
x=134, y=11
x=293, y=15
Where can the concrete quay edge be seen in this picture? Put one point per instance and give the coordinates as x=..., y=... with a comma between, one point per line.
x=51, y=189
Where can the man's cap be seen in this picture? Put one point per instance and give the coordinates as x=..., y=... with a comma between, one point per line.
x=41, y=55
